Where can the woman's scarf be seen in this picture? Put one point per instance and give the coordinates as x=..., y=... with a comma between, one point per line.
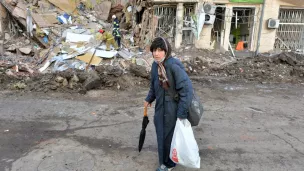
x=162, y=74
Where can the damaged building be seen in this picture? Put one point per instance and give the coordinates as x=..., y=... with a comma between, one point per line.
x=244, y=26
x=239, y=26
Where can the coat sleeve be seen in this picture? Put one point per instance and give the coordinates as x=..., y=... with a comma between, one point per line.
x=151, y=95
x=183, y=90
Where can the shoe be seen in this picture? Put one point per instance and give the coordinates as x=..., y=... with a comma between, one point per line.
x=164, y=168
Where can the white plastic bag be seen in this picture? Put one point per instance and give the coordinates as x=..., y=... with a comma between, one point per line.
x=184, y=149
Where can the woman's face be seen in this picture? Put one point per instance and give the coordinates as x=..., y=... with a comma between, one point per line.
x=159, y=54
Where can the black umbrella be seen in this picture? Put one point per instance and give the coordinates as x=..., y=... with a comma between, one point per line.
x=143, y=130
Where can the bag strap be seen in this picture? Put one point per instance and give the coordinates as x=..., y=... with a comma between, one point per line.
x=173, y=94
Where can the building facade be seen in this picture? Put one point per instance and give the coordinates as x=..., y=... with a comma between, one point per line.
x=277, y=27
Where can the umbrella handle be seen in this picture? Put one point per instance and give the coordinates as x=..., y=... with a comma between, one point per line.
x=146, y=111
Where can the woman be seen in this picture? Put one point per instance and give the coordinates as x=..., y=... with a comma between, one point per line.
x=173, y=92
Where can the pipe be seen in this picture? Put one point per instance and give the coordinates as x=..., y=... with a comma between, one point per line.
x=260, y=28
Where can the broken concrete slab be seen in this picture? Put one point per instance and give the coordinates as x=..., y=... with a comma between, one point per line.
x=92, y=81
x=25, y=50
x=139, y=71
x=7, y=36
x=125, y=54
x=103, y=10
x=65, y=82
x=59, y=79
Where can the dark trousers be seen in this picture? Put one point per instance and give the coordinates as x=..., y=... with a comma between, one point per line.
x=167, y=161
x=117, y=39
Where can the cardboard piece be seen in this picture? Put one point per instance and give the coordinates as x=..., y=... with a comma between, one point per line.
x=87, y=57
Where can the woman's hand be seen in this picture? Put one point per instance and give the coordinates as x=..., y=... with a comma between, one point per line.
x=147, y=104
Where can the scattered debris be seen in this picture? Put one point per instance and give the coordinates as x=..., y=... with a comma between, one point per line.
x=284, y=67
x=50, y=44
x=25, y=50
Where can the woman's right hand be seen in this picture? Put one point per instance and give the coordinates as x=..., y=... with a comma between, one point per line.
x=147, y=104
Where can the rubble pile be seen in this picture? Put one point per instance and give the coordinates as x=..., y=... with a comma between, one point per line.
x=200, y=61
x=284, y=67
x=57, y=45
x=46, y=37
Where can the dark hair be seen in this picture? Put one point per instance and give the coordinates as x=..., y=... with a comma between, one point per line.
x=163, y=44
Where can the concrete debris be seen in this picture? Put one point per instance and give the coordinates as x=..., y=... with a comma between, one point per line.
x=19, y=85
x=7, y=36
x=93, y=80
x=65, y=82
x=47, y=38
x=139, y=71
x=25, y=50
x=59, y=79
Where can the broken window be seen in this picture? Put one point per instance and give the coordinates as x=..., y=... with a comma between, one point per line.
x=218, y=27
x=166, y=15
x=187, y=30
x=242, y=26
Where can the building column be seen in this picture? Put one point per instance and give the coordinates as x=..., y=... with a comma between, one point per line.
x=179, y=25
x=228, y=18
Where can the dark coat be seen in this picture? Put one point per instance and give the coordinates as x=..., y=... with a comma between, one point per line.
x=116, y=23
x=167, y=108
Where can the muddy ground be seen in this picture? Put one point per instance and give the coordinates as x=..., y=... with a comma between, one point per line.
x=76, y=120
x=245, y=127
